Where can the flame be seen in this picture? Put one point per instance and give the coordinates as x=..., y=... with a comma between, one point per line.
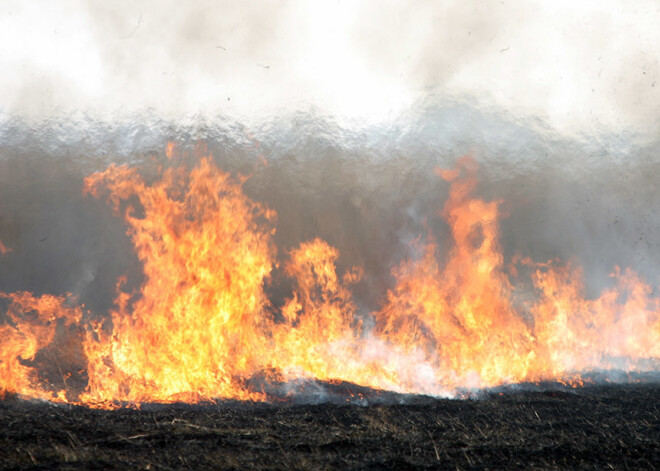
x=195, y=325
x=201, y=327
x=461, y=315
x=577, y=334
x=322, y=336
x=31, y=326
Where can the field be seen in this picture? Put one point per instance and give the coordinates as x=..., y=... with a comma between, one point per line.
x=596, y=427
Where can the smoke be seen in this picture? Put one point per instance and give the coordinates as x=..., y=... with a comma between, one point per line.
x=371, y=193
x=578, y=67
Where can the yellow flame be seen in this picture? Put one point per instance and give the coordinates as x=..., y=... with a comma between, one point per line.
x=201, y=327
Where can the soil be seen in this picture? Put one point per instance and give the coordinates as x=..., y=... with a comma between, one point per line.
x=596, y=427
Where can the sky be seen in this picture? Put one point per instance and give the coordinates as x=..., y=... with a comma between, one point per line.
x=579, y=67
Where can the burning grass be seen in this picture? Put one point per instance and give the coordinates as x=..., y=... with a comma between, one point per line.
x=596, y=427
x=202, y=324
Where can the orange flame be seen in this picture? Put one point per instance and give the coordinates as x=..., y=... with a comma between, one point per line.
x=31, y=326
x=461, y=315
x=195, y=327
x=201, y=327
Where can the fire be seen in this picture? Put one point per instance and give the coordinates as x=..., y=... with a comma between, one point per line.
x=323, y=336
x=461, y=314
x=195, y=325
x=201, y=326
x=574, y=334
x=464, y=317
x=32, y=324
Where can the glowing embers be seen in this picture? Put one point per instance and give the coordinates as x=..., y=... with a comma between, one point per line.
x=201, y=326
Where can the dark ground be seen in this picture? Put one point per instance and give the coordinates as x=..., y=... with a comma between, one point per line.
x=598, y=427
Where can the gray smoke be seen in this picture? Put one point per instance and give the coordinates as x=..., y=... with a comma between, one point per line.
x=369, y=192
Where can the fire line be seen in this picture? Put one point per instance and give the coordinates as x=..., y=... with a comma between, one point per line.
x=201, y=326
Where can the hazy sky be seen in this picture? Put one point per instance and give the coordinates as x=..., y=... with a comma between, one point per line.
x=577, y=65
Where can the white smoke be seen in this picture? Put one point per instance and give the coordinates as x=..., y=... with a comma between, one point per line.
x=581, y=67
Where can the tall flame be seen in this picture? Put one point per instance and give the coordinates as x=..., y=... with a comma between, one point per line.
x=194, y=328
x=461, y=314
x=201, y=326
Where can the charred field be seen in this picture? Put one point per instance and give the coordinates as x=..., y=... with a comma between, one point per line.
x=532, y=427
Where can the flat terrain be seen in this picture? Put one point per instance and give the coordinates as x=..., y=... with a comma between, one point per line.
x=598, y=427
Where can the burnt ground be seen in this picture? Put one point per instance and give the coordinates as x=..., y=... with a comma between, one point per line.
x=598, y=427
